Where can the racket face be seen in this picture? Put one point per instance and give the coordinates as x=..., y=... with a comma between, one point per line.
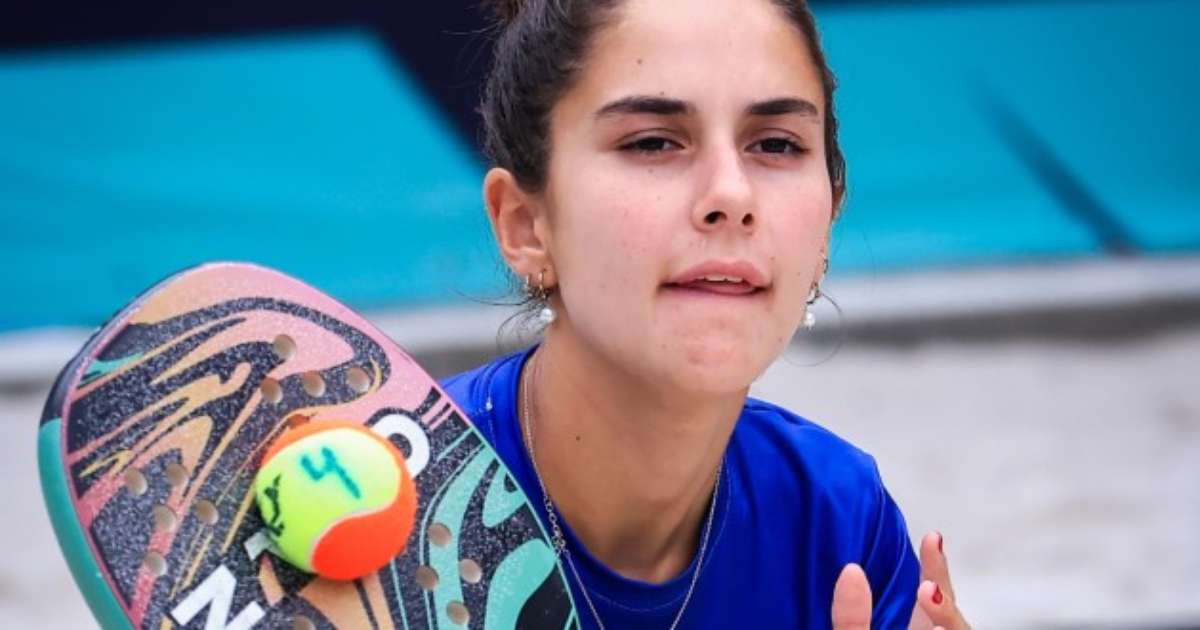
x=152, y=436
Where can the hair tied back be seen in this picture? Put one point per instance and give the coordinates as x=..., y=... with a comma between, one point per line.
x=506, y=10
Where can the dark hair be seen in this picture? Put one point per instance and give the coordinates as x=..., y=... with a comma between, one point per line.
x=537, y=55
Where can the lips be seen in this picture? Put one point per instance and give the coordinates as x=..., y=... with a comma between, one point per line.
x=721, y=277
x=721, y=288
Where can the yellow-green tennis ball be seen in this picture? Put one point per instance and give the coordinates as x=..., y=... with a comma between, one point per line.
x=337, y=498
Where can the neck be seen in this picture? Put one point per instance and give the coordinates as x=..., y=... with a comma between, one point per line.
x=631, y=467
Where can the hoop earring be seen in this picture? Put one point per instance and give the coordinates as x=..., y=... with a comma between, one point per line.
x=546, y=314
x=819, y=346
x=810, y=318
x=814, y=294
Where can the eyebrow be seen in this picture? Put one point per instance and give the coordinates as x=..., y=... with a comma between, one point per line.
x=662, y=106
x=645, y=105
x=782, y=106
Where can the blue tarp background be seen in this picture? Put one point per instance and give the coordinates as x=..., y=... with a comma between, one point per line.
x=975, y=134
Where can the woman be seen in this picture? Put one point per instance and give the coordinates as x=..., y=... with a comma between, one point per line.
x=666, y=174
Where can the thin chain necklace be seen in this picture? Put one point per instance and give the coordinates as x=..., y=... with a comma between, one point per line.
x=560, y=542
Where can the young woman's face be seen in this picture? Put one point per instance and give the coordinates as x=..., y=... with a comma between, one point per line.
x=688, y=196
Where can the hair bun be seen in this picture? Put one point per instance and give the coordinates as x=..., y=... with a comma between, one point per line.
x=506, y=10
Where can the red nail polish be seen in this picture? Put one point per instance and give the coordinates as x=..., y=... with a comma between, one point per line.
x=940, y=539
x=937, y=594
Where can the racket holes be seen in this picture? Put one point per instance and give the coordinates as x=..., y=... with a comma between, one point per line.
x=271, y=391
x=439, y=534
x=313, y=384
x=427, y=578
x=206, y=512
x=358, y=380
x=177, y=475
x=135, y=482
x=156, y=564
x=458, y=613
x=284, y=347
x=470, y=571
x=300, y=622
x=164, y=518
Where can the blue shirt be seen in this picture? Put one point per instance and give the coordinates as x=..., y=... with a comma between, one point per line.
x=795, y=504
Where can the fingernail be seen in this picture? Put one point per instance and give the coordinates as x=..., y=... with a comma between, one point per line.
x=937, y=594
x=940, y=539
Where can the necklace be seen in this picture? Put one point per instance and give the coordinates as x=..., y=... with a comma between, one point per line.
x=560, y=542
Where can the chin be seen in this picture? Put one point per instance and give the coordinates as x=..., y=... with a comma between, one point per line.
x=717, y=369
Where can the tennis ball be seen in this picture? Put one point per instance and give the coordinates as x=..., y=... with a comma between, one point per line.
x=336, y=498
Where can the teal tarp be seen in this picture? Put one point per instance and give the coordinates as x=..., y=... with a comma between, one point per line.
x=1110, y=87
x=317, y=155
x=309, y=154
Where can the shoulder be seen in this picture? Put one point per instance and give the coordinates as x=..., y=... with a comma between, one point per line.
x=468, y=388
x=801, y=443
x=796, y=458
x=478, y=391
x=829, y=490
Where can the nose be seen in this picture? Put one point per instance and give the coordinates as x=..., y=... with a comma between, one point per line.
x=727, y=199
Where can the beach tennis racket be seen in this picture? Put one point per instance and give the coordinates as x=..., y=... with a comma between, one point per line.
x=153, y=434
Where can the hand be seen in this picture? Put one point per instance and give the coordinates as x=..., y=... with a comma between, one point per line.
x=936, y=606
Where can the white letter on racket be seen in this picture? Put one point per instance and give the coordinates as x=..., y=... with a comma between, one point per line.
x=395, y=423
x=216, y=592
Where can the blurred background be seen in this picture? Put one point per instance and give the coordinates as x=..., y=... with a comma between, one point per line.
x=1018, y=265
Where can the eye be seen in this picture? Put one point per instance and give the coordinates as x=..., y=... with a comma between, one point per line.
x=779, y=145
x=651, y=144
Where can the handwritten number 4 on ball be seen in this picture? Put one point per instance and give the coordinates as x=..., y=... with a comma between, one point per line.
x=331, y=466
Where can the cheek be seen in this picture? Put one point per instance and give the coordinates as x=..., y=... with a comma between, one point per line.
x=800, y=223
x=605, y=241
x=799, y=219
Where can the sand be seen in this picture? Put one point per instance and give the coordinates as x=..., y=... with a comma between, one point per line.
x=1065, y=476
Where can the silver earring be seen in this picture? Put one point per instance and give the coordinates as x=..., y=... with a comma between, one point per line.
x=814, y=294
x=546, y=315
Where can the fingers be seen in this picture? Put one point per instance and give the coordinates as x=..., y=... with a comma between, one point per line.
x=932, y=599
x=934, y=565
x=940, y=609
x=935, y=596
x=852, y=600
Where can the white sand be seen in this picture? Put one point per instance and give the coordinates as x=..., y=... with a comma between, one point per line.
x=1065, y=476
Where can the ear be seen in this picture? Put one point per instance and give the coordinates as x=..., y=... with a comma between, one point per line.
x=519, y=224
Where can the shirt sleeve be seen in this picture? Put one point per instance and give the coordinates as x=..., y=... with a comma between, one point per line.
x=891, y=566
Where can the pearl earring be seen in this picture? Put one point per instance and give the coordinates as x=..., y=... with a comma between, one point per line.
x=546, y=315
x=810, y=318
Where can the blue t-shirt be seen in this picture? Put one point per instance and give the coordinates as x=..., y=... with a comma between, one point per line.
x=795, y=504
